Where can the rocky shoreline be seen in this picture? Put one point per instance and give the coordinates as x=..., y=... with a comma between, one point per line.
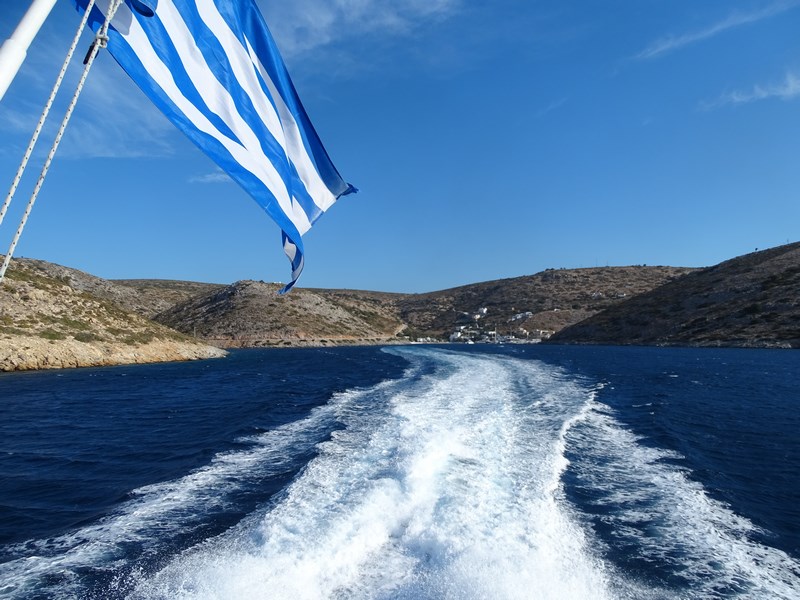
x=301, y=342
x=26, y=353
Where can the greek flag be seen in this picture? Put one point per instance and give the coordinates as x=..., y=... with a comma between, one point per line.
x=212, y=67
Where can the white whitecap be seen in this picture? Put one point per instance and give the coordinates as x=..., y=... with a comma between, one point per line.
x=446, y=487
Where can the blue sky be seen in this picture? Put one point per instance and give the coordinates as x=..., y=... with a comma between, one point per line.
x=488, y=140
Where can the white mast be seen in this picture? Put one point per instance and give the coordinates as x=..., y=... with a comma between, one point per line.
x=15, y=49
x=100, y=41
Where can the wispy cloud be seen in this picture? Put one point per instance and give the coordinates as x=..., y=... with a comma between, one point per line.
x=555, y=105
x=115, y=120
x=788, y=89
x=18, y=119
x=218, y=176
x=112, y=118
x=309, y=24
x=671, y=43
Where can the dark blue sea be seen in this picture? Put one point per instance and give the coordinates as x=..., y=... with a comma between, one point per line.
x=459, y=472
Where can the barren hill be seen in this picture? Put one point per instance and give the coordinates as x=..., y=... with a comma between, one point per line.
x=251, y=314
x=752, y=300
x=555, y=298
x=52, y=317
x=153, y=296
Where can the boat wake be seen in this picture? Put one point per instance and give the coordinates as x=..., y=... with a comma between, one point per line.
x=473, y=476
x=444, y=485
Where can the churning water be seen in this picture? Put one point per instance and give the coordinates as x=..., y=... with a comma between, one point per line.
x=413, y=472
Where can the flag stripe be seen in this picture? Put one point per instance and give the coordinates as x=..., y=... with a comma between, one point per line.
x=165, y=84
x=212, y=67
x=267, y=52
x=211, y=62
x=222, y=103
x=294, y=143
x=241, y=65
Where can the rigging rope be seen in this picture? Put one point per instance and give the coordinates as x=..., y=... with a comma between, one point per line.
x=99, y=42
x=45, y=113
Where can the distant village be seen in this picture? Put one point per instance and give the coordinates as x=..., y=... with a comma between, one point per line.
x=478, y=331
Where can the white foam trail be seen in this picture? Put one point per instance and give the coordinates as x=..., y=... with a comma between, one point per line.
x=447, y=487
x=155, y=513
x=669, y=519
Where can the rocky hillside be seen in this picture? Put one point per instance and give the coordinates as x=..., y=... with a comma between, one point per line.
x=150, y=297
x=554, y=298
x=752, y=300
x=145, y=297
x=252, y=314
x=249, y=313
x=53, y=317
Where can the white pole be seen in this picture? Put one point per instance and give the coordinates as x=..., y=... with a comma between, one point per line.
x=15, y=49
x=100, y=41
x=45, y=112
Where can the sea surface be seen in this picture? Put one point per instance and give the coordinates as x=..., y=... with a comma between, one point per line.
x=459, y=472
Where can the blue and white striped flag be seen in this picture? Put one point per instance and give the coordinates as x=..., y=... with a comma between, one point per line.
x=213, y=68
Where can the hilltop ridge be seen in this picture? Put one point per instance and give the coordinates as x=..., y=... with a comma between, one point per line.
x=749, y=301
x=53, y=316
x=251, y=314
x=546, y=301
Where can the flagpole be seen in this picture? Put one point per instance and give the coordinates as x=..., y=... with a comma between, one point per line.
x=45, y=112
x=15, y=49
